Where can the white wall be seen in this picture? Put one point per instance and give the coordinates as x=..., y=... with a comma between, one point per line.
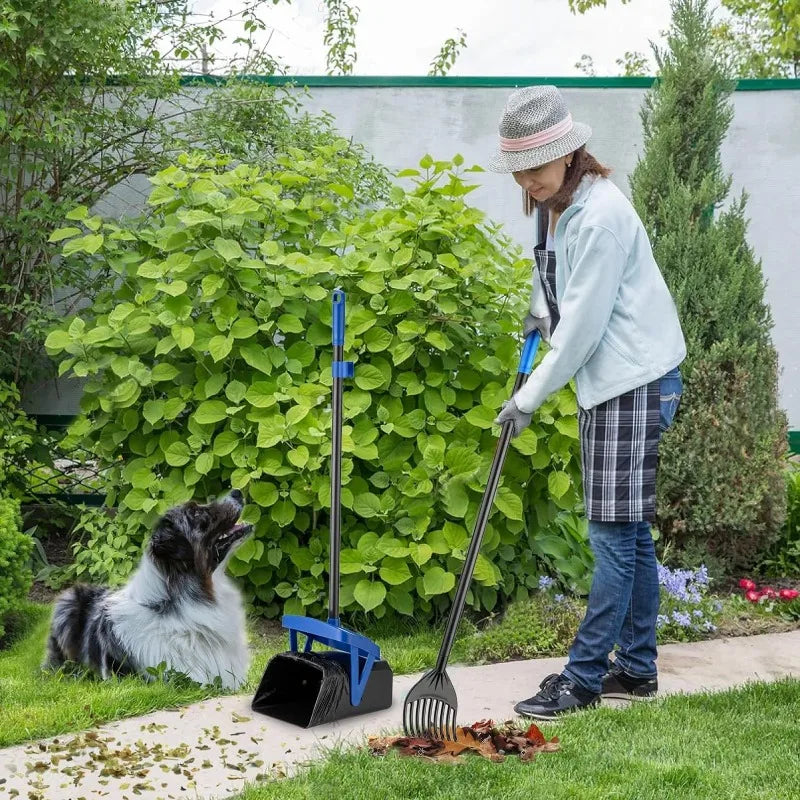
x=400, y=124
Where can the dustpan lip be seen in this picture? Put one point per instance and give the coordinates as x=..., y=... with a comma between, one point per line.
x=336, y=633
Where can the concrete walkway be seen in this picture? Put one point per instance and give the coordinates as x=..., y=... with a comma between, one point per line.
x=209, y=750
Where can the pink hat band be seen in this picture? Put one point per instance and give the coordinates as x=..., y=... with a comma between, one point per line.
x=539, y=139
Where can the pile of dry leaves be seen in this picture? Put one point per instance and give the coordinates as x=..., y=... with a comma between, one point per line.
x=482, y=738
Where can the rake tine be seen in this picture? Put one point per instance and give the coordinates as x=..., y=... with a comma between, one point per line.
x=441, y=721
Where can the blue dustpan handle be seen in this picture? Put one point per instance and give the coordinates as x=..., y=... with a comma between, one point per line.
x=339, y=302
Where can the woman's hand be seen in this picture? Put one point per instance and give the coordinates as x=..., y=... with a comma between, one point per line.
x=510, y=412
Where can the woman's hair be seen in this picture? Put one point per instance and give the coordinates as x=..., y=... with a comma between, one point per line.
x=583, y=163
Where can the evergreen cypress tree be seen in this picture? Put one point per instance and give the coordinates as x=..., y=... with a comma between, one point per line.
x=721, y=490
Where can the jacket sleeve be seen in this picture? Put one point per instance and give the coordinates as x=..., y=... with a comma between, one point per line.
x=585, y=309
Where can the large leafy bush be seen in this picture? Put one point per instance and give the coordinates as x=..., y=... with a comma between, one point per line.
x=209, y=365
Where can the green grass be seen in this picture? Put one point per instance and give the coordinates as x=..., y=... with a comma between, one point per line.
x=736, y=744
x=36, y=705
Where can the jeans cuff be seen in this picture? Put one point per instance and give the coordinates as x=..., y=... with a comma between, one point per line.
x=619, y=662
x=582, y=687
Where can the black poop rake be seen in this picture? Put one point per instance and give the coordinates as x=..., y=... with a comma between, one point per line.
x=308, y=688
x=432, y=704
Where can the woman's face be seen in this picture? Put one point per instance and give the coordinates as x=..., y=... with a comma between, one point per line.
x=543, y=182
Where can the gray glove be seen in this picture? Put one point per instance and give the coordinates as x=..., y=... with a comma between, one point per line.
x=520, y=419
x=540, y=324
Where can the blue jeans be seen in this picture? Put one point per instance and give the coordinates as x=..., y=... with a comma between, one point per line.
x=624, y=597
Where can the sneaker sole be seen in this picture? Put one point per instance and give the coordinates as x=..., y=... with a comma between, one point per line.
x=534, y=715
x=626, y=696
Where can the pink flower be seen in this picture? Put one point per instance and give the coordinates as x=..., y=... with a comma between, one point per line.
x=746, y=584
x=788, y=594
x=752, y=595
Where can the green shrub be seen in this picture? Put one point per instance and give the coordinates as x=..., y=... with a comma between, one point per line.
x=720, y=479
x=103, y=548
x=544, y=625
x=209, y=367
x=783, y=557
x=15, y=550
x=17, y=436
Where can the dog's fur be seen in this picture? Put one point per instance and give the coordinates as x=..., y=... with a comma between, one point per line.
x=179, y=606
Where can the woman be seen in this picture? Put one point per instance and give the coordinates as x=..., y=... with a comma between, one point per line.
x=600, y=300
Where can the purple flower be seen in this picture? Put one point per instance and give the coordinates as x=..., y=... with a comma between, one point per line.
x=701, y=575
x=661, y=620
x=559, y=598
x=681, y=618
x=545, y=582
x=697, y=613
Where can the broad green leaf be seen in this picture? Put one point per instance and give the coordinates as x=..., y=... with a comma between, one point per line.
x=394, y=571
x=558, y=482
x=183, y=336
x=244, y=328
x=481, y=417
x=220, y=347
x=289, y=323
x=526, y=443
x=509, y=502
x=367, y=505
x=448, y=260
x=298, y=457
x=153, y=411
x=204, y=463
x=235, y=391
x=568, y=426
x=484, y=571
x=439, y=340
x=368, y=377
x=229, y=249
x=438, y=581
x=283, y=512
x=257, y=358
x=225, y=443
x=401, y=601
x=369, y=594
x=57, y=340
x=211, y=411
x=261, y=395
x=455, y=499
x=263, y=493
x=377, y=339
x=462, y=461
x=177, y=454
x=63, y=233
x=552, y=546
x=420, y=552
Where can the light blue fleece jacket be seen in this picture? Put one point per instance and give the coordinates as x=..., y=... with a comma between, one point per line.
x=618, y=326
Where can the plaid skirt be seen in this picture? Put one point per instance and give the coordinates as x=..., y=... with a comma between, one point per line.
x=619, y=438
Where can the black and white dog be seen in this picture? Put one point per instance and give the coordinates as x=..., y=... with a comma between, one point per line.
x=179, y=606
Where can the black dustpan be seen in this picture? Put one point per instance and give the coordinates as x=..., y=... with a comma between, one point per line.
x=305, y=687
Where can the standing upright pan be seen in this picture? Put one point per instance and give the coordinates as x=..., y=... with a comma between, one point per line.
x=308, y=688
x=432, y=704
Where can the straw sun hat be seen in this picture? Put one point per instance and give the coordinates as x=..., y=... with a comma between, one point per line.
x=536, y=127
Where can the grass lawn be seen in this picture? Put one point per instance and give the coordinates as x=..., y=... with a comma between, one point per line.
x=35, y=705
x=740, y=744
